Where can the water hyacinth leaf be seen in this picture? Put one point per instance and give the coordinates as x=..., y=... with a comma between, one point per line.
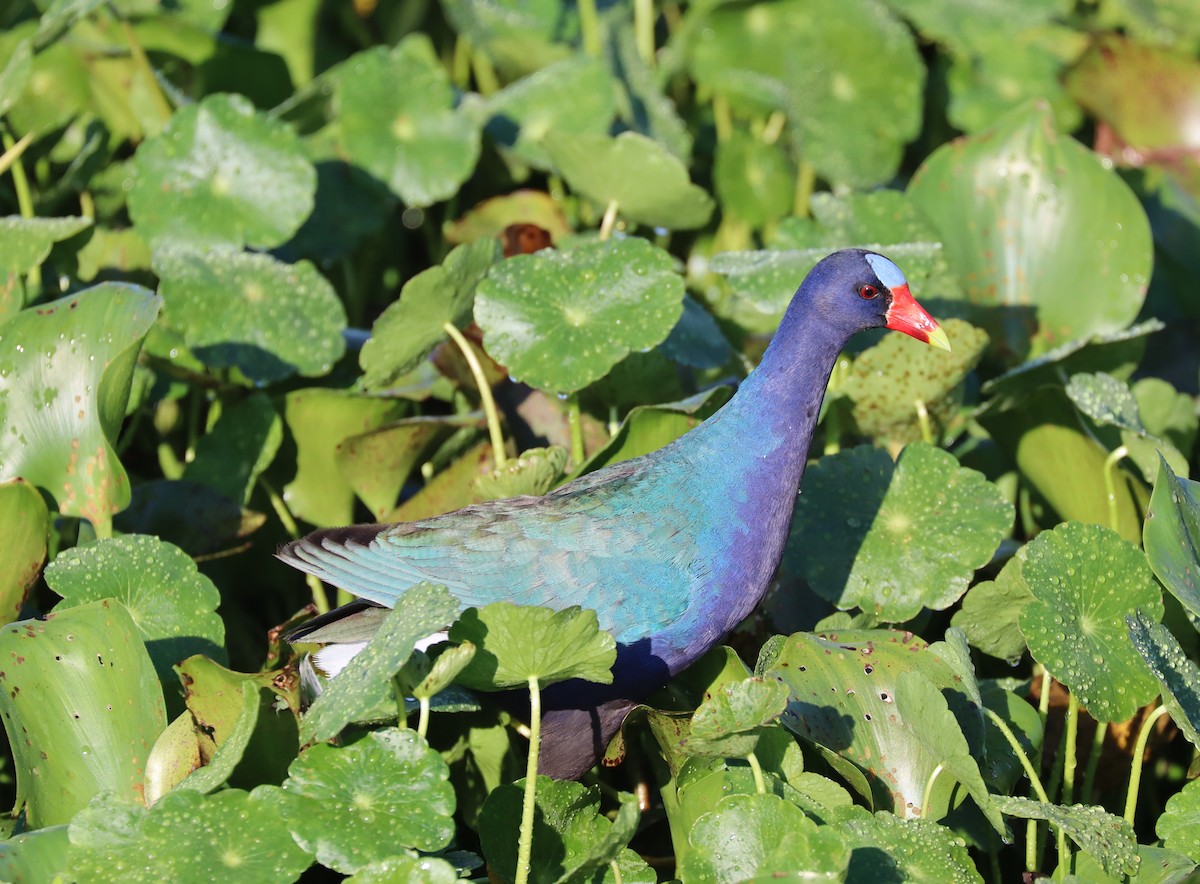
x=196, y=518
x=172, y=603
x=39, y=855
x=407, y=866
x=1085, y=580
x=249, y=311
x=490, y=218
x=533, y=472
x=696, y=340
x=1109, y=839
x=1171, y=536
x=1178, y=676
x=1179, y=825
x=366, y=681
x=186, y=837
x=65, y=374
x=408, y=136
x=221, y=174
x=25, y=242
x=922, y=849
x=750, y=836
x=82, y=707
x=175, y=755
x=561, y=320
x=1166, y=412
x=319, y=420
x=892, y=380
x=843, y=696
x=24, y=528
x=234, y=453
x=991, y=611
x=377, y=463
x=516, y=644
x=574, y=95
x=572, y=840
x=873, y=559
x=1024, y=286
x=408, y=330
x=359, y=804
x=647, y=182
x=754, y=180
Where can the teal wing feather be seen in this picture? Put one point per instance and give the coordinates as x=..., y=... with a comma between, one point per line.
x=601, y=544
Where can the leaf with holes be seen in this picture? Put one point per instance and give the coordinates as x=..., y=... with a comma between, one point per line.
x=65, y=374
x=895, y=538
x=561, y=320
x=221, y=174
x=172, y=603
x=249, y=311
x=1085, y=580
x=411, y=138
x=359, y=804
x=408, y=330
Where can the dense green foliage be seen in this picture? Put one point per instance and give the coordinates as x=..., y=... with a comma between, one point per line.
x=253, y=279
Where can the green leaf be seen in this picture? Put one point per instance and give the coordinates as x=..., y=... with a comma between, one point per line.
x=521, y=35
x=1166, y=412
x=888, y=848
x=186, y=837
x=754, y=180
x=895, y=538
x=221, y=174
x=572, y=841
x=516, y=644
x=366, y=682
x=850, y=120
x=490, y=218
x=1178, y=676
x=15, y=74
x=574, y=95
x=533, y=472
x=726, y=722
x=64, y=384
x=175, y=755
x=172, y=603
x=1085, y=580
x=1109, y=839
x=24, y=527
x=362, y=803
x=196, y=518
x=647, y=182
x=25, y=242
x=409, y=137
x=233, y=454
x=35, y=856
x=1058, y=191
x=445, y=669
x=1171, y=536
x=237, y=309
x=82, y=708
x=319, y=420
x=561, y=320
x=1179, y=825
x=891, y=381
x=408, y=330
x=748, y=836
x=405, y=867
x=991, y=612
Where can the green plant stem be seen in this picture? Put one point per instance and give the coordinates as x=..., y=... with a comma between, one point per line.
x=1135, y=769
x=460, y=68
x=760, y=782
x=1044, y=697
x=806, y=179
x=609, y=221
x=485, y=393
x=1068, y=786
x=24, y=199
x=616, y=872
x=525, y=841
x=320, y=599
x=923, y=421
x=423, y=717
x=1110, y=485
x=1093, y=764
x=1035, y=782
x=722, y=117
x=401, y=707
x=589, y=25
x=13, y=150
x=575, y=424
x=142, y=64
x=643, y=26
x=928, y=796
x=1052, y=788
x=774, y=127
x=485, y=75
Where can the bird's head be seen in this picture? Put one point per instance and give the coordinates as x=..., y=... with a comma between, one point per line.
x=866, y=290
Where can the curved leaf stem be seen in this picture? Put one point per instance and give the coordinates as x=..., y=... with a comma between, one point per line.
x=722, y=117
x=1110, y=485
x=525, y=841
x=923, y=421
x=643, y=26
x=609, y=221
x=485, y=392
x=575, y=424
x=1135, y=769
x=806, y=179
x=925, y=799
x=589, y=24
x=760, y=782
x=24, y=199
x=13, y=151
x=320, y=599
x=1093, y=764
x=616, y=872
x=460, y=68
x=485, y=75
x=423, y=717
x=1070, y=760
x=1035, y=782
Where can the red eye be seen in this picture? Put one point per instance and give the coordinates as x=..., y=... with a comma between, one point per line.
x=867, y=292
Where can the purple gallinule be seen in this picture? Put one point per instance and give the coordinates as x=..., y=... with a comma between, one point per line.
x=671, y=549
